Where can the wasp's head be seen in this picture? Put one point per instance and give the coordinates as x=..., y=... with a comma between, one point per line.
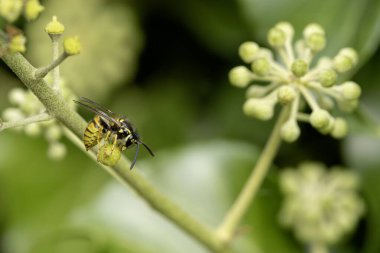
x=135, y=139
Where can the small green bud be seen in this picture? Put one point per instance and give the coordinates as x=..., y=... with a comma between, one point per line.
x=329, y=127
x=53, y=133
x=290, y=131
x=54, y=27
x=286, y=28
x=256, y=91
x=261, y=66
x=17, y=96
x=56, y=151
x=345, y=60
x=12, y=114
x=259, y=108
x=17, y=44
x=314, y=36
x=299, y=68
x=286, y=94
x=240, y=76
x=326, y=102
x=33, y=8
x=319, y=118
x=340, y=128
x=276, y=37
x=72, y=45
x=248, y=51
x=109, y=155
x=33, y=129
x=265, y=53
x=350, y=90
x=348, y=105
x=327, y=77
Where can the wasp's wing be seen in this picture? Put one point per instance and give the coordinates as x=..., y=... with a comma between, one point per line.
x=98, y=109
x=98, y=106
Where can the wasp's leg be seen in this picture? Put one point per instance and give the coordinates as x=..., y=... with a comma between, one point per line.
x=114, y=142
x=106, y=138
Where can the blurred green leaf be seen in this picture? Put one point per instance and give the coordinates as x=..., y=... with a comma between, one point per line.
x=361, y=153
x=37, y=194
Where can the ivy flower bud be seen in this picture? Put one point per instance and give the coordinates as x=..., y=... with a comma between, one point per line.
x=33, y=8
x=286, y=28
x=290, y=131
x=314, y=36
x=276, y=37
x=109, y=155
x=319, y=118
x=72, y=45
x=350, y=90
x=255, y=91
x=345, y=60
x=259, y=108
x=261, y=66
x=12, y=114
x=54, y=27
x=327, y=77
x=10, y=9
x=240, y=76
x=286, y=94
x=340, y=128
x=17, y=44
x=53, y=133
x=17, y=96
x=329, y=127
x=33, y=129
x=299, y=68
x=56, y=151
x=248, y=51
x=348, y=105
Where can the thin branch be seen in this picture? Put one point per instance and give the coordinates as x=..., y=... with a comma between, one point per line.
x=227, y=229
x=42, y=72
x=57, y=107
x=33, y=119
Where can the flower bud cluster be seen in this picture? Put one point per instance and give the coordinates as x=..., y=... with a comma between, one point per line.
x=320, y=206
x=292, y=80
x=11, y=10
x=25, y=105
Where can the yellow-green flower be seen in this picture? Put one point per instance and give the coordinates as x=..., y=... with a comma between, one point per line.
x=17, y=44
x=33, y=8
x=54, y=27
x=10, y=9
x=72, y=45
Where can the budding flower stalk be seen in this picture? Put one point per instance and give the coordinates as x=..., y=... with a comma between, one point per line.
x=295, y=76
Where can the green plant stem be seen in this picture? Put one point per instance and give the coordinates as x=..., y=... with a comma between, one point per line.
x=33, y=119
x=227, y=229
x=55, y=48
x=57, y=107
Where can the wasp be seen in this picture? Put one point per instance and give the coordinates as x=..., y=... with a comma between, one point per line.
x=110, y=127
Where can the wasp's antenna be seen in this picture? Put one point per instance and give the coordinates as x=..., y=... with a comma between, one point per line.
x=136, y=154
x=147, y=148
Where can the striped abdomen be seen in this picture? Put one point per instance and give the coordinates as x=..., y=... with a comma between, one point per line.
x=93, y=133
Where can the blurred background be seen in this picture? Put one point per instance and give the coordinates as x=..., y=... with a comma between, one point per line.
x=164, y=64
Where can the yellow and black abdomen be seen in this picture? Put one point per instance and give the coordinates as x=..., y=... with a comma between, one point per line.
x=93, y=133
